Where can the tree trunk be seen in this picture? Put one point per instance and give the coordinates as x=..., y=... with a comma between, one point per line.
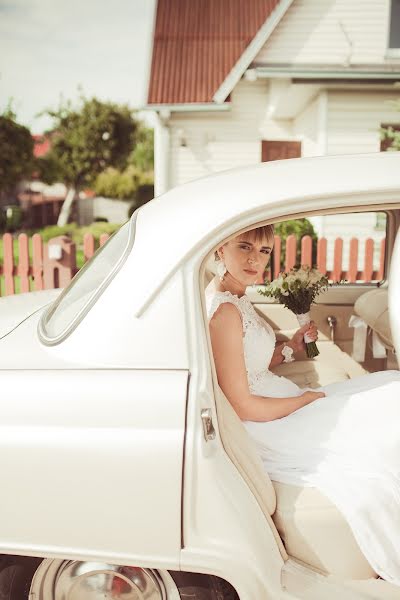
x=66, y=207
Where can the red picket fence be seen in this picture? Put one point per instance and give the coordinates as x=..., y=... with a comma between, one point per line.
x=42, y=271
x=46, y=270
x=352, y=274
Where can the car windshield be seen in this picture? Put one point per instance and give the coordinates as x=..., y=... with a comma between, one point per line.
x=86, y=287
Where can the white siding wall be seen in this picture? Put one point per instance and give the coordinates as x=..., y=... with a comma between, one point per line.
x=306, y=128
x=353, y=122
x=312, y=32
x=354, y=119
x=219, y=141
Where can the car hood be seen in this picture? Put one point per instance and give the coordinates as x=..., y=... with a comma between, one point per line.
x=15, y=309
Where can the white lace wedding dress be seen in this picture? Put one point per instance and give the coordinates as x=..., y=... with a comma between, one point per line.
x=346, y=444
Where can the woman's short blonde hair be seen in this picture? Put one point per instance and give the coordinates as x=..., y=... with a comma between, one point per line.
x=257, y=235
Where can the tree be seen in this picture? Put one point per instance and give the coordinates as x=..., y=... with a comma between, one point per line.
x=136, y=181
x=16, y=151
x=142, y=155
x=86, y=141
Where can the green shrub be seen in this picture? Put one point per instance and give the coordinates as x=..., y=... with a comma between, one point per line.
x=390, y=135
x=130, y=184
x=52, y=231
x=113, y=183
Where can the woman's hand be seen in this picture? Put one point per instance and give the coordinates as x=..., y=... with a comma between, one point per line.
x=297, y=341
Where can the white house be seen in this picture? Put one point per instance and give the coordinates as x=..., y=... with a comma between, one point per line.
x=235, y=83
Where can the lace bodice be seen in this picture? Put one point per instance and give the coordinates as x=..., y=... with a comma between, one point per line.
x=258, y=337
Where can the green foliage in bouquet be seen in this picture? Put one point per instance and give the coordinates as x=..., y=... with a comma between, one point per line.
x=297, y=289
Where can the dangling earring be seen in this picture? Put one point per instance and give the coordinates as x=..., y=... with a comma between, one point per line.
x=221, y=270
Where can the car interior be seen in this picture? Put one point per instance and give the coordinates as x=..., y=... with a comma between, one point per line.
x=307, y=526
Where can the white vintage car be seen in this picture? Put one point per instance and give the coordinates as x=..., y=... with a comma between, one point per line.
x=125, y=471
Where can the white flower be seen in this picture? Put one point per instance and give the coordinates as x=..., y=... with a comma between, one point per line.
x=276, y=284
x=302, y=275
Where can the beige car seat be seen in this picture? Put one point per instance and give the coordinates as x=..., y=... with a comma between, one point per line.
x=373, y=308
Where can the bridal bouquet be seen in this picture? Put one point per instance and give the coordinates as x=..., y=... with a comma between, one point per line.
x=297, y=290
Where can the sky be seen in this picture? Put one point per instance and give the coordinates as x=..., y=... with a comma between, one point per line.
x=48, y=48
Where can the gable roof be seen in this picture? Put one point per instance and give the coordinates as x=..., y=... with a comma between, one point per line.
x=202, y=47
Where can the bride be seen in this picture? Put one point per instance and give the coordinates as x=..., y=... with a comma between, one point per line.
x=343, y=438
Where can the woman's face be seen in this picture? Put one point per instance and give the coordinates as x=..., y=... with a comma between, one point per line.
x=246, y=259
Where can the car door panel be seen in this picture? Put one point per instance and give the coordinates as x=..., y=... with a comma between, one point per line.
x=91, y=462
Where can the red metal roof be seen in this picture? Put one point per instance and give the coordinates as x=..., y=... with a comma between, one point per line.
x=197, y=43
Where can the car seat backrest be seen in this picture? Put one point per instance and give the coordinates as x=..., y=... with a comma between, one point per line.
x=241, y=450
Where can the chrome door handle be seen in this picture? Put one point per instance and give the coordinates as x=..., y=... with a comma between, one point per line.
x=208, y=427
x=332, y=321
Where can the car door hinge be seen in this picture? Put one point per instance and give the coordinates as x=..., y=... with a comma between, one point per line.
x=208, y=427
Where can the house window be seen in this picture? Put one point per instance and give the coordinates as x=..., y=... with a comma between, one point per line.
x=394, y=26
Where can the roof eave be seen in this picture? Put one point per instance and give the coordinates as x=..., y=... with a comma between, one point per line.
x=251, y=51
x=189, y=107
x=315, y=73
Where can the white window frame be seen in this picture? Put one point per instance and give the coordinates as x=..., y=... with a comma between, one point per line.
x=391, y=52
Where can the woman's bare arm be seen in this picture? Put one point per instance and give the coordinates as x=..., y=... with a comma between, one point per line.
x=226, y=333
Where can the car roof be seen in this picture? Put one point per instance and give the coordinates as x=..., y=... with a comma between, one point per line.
x=170, y=227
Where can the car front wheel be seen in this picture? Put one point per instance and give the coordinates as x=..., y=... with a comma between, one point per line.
x=76, y=580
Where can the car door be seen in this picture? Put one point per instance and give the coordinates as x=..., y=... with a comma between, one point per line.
x=91, y=463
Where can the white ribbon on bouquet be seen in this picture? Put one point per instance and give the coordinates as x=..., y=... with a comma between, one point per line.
x=304, y=319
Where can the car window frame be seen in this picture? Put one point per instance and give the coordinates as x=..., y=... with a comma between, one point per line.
x=376, y=283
